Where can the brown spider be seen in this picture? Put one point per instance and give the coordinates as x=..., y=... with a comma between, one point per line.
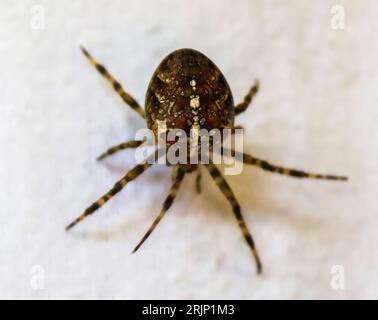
x=188, y=92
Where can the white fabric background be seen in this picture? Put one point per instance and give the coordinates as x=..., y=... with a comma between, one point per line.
x=317, y=110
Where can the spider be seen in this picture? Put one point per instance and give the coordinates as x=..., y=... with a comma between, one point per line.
x=188, y=91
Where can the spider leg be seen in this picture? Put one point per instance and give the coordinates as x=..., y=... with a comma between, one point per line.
x=173, y=175
x=119, y=185
x=227, y=192
x=241, y=107
x=119, y=147
x=116, y=85
x=248, y=159
x=180, y=173
x=198, y=180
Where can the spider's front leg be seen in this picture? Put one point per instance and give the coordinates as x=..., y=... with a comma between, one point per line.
x=227, y=192
x=119, y=185
x=178, y=175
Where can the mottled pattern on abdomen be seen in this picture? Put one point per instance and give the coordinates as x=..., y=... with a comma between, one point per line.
x=188, y=91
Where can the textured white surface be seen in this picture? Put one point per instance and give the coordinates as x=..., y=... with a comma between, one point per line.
x=317, y=110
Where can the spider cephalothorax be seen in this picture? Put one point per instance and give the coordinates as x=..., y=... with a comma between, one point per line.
x=189, y=93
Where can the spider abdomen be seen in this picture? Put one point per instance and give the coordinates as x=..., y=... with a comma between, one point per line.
x=188, y=91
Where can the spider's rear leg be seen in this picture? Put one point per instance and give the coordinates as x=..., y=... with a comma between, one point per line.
x=116, y=85
x=119, y=147
x=178, y=175
x=130, y=176
x=265, y=165
x=241, y=107
x=227, y=192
